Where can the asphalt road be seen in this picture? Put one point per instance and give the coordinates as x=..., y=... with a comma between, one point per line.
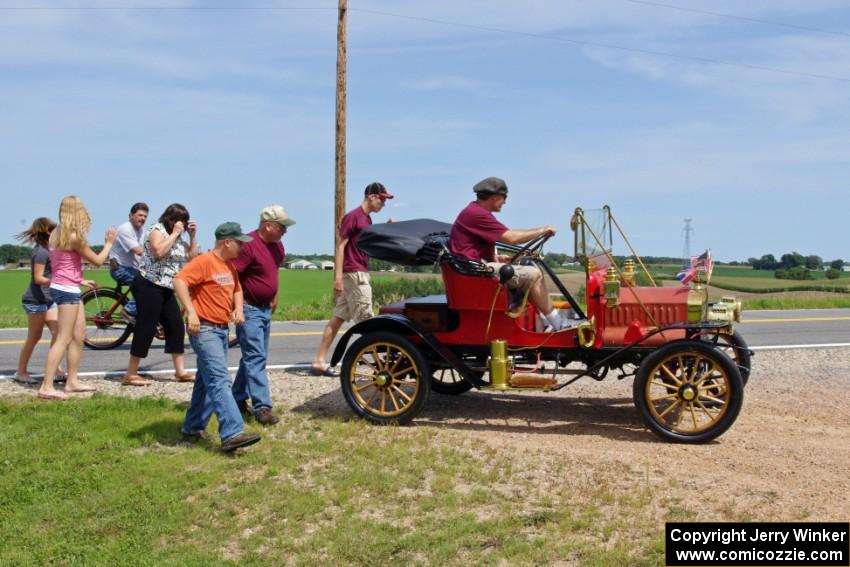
x=294, y=343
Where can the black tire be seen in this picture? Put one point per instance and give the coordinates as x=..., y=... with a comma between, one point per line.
x=105, y=328
x=735, y=347
x=688, y=381
x=385, y=366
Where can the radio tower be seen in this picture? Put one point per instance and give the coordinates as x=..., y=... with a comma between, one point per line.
x=686, y=251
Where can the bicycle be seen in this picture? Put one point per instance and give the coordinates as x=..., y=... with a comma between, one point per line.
x=106, y=326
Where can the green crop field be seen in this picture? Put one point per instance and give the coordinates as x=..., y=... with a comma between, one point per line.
x=304, y=294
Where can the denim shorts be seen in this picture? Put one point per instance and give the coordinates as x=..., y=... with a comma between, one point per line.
x=36, y=308
x=64, y=297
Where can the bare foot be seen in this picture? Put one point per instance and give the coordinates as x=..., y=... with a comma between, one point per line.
x=80, y=389
x=52, y=395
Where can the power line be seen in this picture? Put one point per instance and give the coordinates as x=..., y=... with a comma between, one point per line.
x=560, y=39
x=742, y=18
x=606, y=45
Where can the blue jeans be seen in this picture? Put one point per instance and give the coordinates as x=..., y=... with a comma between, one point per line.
x=212, y=386
x=252, y=379
x=126, y=275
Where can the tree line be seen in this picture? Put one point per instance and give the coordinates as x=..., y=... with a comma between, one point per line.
x=795, y=266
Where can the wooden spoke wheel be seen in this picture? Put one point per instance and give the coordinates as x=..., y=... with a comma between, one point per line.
x=450, y=382
x=735, y=347
x=385, y=378
x=688, y=391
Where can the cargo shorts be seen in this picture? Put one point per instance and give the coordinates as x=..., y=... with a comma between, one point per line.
x=355, y=301
x=524, y=276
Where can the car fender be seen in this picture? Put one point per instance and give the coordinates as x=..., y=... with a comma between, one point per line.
x=404, y=326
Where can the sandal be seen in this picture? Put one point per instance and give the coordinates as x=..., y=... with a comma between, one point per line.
x=27, y=379
x=55, y=395
x=326, y=371
x=135, y=380
x=188, y=377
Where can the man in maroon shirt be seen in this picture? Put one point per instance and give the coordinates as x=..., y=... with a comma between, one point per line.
x=258, y=264
x=351, y=272
x=474, y=235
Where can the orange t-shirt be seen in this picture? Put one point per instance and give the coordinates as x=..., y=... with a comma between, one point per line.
x=212, y=283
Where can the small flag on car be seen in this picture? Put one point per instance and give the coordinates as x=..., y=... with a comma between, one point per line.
x=701, y=263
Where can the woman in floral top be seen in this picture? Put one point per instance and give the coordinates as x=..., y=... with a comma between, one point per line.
x=165, y=253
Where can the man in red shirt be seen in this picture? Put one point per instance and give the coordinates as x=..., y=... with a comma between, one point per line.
x=351, y=272
x=258, y=264
x=474, y=235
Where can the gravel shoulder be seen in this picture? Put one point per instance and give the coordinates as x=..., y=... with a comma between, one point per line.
x=786, y=458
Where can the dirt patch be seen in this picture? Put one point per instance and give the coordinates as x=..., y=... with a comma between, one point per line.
x=786, y=457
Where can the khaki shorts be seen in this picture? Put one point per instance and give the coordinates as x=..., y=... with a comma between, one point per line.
x=524, y=276
x=355, y=301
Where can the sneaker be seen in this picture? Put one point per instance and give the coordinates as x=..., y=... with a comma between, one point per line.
x=266, y=417
x=239, y=440
x=567, y=323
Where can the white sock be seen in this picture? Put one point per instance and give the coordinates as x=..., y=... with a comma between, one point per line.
x=554, y=318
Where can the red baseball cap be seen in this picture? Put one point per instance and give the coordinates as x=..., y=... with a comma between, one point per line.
x=379, y=190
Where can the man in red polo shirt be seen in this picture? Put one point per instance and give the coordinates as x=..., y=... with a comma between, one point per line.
x=258, y=264
x=351, y=272
x=474, y=235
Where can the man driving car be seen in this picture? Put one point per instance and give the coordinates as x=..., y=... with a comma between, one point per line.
x=474, y=235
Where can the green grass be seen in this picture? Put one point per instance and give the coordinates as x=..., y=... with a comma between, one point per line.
x=108, y=481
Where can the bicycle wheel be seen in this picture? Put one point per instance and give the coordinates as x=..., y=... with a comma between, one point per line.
x=105, y=327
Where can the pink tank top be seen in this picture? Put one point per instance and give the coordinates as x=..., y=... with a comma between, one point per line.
x=67, y=266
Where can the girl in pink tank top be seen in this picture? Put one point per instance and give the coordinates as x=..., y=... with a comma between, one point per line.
x=68, y=248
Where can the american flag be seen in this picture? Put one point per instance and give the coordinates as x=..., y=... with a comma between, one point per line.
x=701, y=263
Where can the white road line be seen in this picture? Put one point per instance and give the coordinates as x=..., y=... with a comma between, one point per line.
x=789, y=347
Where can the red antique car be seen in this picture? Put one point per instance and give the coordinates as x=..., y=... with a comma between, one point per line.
x=688, y=363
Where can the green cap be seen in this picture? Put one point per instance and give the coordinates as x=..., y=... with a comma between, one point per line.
x=231, y=230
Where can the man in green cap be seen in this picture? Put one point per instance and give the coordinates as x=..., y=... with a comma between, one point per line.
x=209, y=289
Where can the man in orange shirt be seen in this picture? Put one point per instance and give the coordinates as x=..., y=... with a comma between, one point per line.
x=209, y=289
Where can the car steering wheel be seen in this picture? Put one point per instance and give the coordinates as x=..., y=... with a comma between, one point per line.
x=531, y=246
x=506, y=272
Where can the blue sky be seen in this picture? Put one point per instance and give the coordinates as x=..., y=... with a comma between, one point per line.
x=229, y=110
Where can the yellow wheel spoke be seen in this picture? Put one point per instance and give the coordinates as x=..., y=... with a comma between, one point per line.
x=401, y=372
x=363, y=387
x=392, y=399
x=693, y=415
x=672, y=376
x=383, y=401
x=694, y=368
x=670, y=408
x=713, y=399
x=708, y=374
x=372, y=397
x=401, y=393
x=380, y=364
x=679, y=417
x=665, y=385
x=706, y=410
x=667, y=397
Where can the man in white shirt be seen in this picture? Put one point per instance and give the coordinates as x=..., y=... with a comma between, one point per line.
x=124, y=256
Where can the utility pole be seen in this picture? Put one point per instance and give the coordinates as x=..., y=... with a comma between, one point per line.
x=686, y=252
x=339, y=190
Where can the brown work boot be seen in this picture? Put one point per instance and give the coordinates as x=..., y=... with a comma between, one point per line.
x=244, y=408
x=266, y=417
x=239, y=440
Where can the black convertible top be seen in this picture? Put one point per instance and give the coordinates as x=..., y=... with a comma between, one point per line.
x=404, y=242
